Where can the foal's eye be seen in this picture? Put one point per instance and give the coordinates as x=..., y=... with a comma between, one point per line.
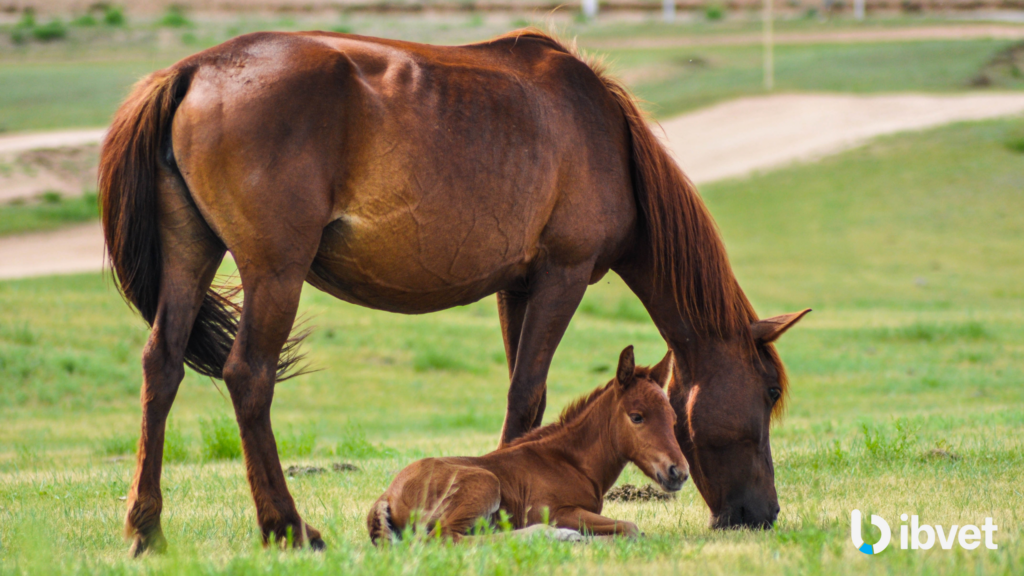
x=636, y=418
x=775, y=393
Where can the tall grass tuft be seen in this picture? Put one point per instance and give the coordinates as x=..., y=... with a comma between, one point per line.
x=923, y=332
x=220, y=438
x=433, y=359
x=175, y=18
x=886, y=444
x=176, y=445
x=119, y=445
x=295, y=443
x=353, y=444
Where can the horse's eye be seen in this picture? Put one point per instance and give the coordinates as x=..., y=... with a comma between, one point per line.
x=775, y=393
x=636, y=418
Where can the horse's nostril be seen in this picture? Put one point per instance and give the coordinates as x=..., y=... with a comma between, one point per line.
x=674, y=473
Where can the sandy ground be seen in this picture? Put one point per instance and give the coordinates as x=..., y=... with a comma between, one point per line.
x=754, y=134
x=728, y=140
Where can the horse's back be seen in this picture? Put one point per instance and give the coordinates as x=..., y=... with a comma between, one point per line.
x=441, y=174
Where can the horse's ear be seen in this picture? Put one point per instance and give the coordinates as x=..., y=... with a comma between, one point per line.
x=662, y=371
x=627, y=366
x=768, y=330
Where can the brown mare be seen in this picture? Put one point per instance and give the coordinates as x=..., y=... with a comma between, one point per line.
x=415, y=178
x=563, y=468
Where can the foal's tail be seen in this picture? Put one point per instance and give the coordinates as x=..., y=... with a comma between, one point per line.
x=136, y=149
x=379, y=523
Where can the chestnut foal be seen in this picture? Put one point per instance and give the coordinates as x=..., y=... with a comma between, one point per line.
x=564, y=468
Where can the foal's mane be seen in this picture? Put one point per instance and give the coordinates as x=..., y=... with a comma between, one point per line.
x=686, y=247
x=574, y=410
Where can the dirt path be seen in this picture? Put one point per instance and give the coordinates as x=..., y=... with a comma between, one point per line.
x=727, y=140
x=956, y=32
x=754, y=134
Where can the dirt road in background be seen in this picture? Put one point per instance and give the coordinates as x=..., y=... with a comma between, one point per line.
x=725, y=141
x=754, y=134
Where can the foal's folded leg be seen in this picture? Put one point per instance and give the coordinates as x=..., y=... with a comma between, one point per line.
x=474, y=494
x=595, y=524
x=535, y=531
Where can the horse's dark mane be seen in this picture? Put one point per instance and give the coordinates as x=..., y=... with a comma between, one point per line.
x=686, y=246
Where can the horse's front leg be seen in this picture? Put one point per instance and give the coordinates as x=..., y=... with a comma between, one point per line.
x=554, y=294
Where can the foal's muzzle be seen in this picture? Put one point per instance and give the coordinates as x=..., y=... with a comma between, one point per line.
x=672, y=480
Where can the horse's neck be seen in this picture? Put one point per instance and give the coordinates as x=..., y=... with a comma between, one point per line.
x=589, y=443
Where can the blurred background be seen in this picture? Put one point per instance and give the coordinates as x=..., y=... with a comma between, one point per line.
x=863, y=159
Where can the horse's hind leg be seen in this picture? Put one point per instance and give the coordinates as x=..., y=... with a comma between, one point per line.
x=191, y=255
x=272, y=283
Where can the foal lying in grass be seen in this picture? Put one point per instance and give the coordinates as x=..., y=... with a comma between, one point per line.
x=558, y=473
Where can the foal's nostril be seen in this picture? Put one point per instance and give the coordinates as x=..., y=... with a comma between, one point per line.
x=673, y=473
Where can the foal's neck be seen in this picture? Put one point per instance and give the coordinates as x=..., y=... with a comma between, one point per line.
x=591, y=444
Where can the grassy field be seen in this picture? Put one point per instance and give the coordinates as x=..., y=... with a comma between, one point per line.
x=907, y=394
x=78, y=81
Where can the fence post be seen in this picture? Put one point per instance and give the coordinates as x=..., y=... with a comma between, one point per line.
x=769, y=47
x=590, y=8
x=668, y=10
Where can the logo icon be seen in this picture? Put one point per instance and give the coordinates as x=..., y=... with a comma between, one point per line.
x=858, y=542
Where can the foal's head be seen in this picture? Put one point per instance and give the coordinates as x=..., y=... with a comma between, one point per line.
x=644, y=421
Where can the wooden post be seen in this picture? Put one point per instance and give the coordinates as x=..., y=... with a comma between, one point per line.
x=590, y=8
x=668, y=11
x=769, y=48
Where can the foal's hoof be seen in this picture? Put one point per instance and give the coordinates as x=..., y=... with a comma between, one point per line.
x=153, y=543
x=317, y=544
x=566, y=535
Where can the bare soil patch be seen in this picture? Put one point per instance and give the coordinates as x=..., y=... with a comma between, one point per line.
x=630, y=493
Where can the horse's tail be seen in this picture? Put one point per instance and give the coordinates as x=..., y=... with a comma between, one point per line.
x=686, y=247
x=135, y=150
x=379, y=523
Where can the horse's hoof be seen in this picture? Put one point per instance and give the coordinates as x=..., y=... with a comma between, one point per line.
x=317, y=544
x=154, y=543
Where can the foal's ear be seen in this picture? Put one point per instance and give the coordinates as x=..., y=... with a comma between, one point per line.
x=662, y=371
x=627, y=365
x=768, y=330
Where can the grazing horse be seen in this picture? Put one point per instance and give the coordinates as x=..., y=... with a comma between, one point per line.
x=414, y=178
x=558, y=473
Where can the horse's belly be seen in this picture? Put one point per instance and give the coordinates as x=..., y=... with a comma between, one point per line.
x=414, y=268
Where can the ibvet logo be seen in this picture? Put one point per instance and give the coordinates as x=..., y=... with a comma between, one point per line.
x=919, y=536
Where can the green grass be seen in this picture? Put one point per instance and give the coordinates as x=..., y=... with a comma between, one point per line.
x=907, y=394
x=52, y=212
x=53, y=95
x=80, y=81
x=675, y=80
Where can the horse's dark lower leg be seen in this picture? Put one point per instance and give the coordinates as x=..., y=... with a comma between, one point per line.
x=190, y=260
x=511, y=311
x=554, y=296
x=268, y=312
